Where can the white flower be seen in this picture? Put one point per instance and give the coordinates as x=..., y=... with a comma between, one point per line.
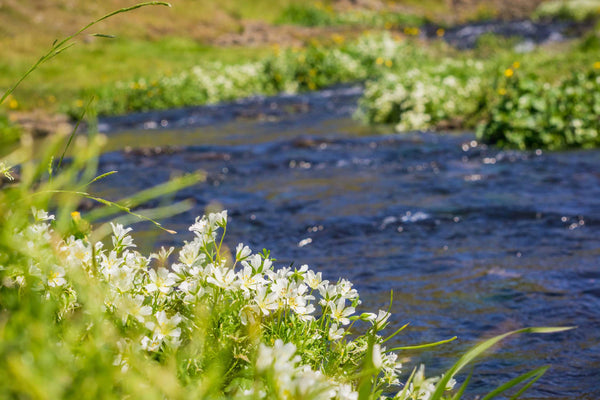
x=339, y=311
x=379, y=320
x=242, y=251
x=249, y=280
x=134, y=307
x=121, y=239
x=190, y=255
x=161, y=281
x=328, y=293
x=165, y=327
x=151, y=344
x=56, y=277
x=109, y=266
x=218, y=219
x=223, y=278
x=282, y=357
x=265, y=301
x=41, y=215
x=314, y=281
x=376, y=357
x=335, y=333
x=344, y=288
x=201, y=227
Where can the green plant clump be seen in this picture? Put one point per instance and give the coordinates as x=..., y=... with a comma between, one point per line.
x=9, y=132
x=83, y=316
x=570, y=10
x=533, y=114
x=322, y=15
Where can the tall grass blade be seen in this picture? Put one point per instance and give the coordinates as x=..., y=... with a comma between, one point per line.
x=458, y=395
x=73, y=132
x=479, y=349
x=423, y=346
x=60, y=46
x=535, y=374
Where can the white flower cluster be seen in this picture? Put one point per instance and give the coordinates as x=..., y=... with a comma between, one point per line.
x=157, y=296
x=419, y=98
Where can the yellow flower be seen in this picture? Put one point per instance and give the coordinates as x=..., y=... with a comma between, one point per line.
x=597, y=65
x=501, y=91
x=312, y=86
x=388, y=63
x=516, y=65
x=13, y=104
x=440, y=32
x=337, y=38
x=509, y=72
x=79, y=103
x=76, y=216
x=379, y=61
x=312, y=72
x=388, y=25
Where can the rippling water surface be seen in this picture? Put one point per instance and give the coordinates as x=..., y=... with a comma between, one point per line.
x=474, y=241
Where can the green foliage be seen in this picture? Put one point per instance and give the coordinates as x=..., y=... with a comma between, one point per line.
x=531, y=113
x=86, y=316
x=9, y=132
x=322, y=15
x=571, y=10
x=307, y=15
x=289, y=70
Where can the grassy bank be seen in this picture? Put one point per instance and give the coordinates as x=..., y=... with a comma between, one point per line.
x=84, y=314
x=410, y=83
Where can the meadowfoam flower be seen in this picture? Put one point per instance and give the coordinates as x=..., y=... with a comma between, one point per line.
x=165, y=328
x=189, y=256
x=249, y=280
x=41, y=215
x=109, y=265
x=339, y=311
x=314, y=281
x=218, y=219
x=121, y=240
x=56, y=277
x=379, y=321
x=134, y=307
x=242, y=252
x=335, y=333
x=151, y=344
x=266, y=302
x=223, y=278
x=328, y=294
x=160, y=280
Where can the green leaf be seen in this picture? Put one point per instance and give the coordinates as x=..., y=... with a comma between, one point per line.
x=535, y=374
x=479, y=349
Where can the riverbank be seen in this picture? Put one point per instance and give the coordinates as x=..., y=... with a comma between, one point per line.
x=323, y=46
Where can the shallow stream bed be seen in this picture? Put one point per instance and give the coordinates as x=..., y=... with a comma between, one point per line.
x=474, y=241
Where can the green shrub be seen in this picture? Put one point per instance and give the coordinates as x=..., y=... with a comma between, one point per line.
x=307, y=15
x=320, y=15
x=570, y=10
x=83, y=316
x=531, y=113
x=9, y=132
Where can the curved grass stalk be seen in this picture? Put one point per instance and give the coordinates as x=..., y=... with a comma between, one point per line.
x=62, y=45
x=477, y=350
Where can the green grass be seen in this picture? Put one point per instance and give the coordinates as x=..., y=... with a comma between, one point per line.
x=83, y=315
x=122, y=59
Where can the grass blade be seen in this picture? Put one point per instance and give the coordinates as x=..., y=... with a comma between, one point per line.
x=536, y=374
x=423, y=346
x=480, y=348
x=462, y=388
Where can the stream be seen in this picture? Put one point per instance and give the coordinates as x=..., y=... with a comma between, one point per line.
x=473, y=240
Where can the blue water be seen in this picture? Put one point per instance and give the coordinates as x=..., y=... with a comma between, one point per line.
x=474, y=241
